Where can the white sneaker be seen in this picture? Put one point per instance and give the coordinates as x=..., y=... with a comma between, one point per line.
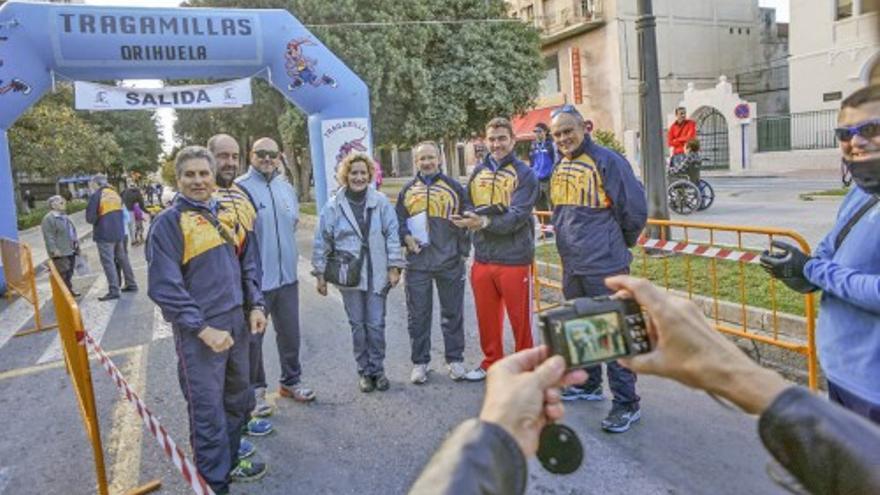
x=419, y=374
x=263, y=409
x=475, y=375
x=456, y=371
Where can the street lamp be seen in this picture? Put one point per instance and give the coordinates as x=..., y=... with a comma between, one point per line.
x=653, y=166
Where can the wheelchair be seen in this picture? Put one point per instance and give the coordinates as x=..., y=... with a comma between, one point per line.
x=684, y=195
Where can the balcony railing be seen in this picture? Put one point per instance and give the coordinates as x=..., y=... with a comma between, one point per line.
x=571, y=14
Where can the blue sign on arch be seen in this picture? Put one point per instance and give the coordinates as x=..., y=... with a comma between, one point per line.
x=88, y=43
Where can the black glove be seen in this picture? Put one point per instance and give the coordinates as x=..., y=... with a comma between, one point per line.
x=788, y=266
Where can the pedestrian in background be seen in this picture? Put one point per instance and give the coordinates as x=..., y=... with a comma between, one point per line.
x=360, y=222
x=105, y=213
x=542, y=158
x=62, y=243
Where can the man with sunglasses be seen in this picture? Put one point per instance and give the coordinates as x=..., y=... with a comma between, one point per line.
x=599, y=210
x=277, y=216
x=846, y=266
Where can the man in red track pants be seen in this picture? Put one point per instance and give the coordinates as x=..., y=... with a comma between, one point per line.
x=503, y=191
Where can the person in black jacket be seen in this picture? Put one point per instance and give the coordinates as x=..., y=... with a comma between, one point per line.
x=826, y=447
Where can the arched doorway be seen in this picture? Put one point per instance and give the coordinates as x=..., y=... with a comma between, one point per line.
x=713, y=135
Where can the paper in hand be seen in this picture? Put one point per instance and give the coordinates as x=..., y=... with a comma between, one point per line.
x=418, y=228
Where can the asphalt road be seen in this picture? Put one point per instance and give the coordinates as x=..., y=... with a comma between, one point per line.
x=345, y=442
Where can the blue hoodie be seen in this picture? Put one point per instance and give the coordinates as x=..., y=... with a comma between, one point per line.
x=848, y=336
x=542, y=157
x=277, y=217
x=194, y=274
x=599, y=210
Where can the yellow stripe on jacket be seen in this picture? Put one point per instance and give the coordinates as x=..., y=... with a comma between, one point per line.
x=488, y=188
x=110, y=202
x=578, y=182
x=199, y=236
x=237, y=212
x=440, y=202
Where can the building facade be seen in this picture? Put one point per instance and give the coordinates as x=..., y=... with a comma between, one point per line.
x=591, y=55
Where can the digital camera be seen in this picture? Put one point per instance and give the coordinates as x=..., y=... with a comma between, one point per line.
x=588, y=331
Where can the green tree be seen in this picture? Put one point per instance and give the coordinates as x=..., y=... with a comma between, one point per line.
x=51, y=140
x=137, y=135
x=441, y=79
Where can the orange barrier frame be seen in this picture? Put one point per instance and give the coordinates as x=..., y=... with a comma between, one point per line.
x=76, y=359
x=712, y=231
x=18, y=269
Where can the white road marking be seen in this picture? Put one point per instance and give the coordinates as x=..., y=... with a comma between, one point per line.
x=95, y=317
x=161, y=328
x=19, y=312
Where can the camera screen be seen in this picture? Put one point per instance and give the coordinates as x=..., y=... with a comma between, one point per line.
x=594, y=338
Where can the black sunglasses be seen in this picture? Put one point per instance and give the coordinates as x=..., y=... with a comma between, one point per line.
x=266, y=153
x=868, y=130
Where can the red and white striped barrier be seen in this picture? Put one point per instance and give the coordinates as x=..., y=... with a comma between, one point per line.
x=700, y=250
x=180, y=460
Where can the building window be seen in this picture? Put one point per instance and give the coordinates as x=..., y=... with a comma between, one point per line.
x=529, y=12
x=550, y=83
x=844, y=9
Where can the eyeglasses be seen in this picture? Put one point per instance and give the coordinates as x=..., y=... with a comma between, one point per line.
x=868, y=130
x=567, y=108
x=266, y=154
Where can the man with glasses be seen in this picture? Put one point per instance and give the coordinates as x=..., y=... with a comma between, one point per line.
x=599, y=210
x=277, y=216
x=846, y=266
x=542, y=157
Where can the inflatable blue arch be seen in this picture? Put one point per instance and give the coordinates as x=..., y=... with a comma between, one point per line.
x=39, y=42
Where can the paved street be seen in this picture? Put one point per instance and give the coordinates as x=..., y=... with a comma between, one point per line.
x=346, y=442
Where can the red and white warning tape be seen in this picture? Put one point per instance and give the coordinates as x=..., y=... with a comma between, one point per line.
x=180, y=460
x=688, y=248
x=700, y=250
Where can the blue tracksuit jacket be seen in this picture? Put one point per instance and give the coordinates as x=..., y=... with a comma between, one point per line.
x=194, y=274
x=599, y=210
x=104, y=211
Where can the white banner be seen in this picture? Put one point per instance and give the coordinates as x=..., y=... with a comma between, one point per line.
x=229, y=94
x=342, y=137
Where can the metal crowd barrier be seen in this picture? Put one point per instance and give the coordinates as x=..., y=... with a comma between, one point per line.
x=716, y=266
x=18, y=268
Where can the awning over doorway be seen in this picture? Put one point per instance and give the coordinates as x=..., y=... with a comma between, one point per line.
x=524, y=125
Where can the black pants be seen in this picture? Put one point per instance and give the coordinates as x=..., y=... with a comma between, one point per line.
x=621, y=380
x=419, y=308
x=218, y=395
x=853, y=402
x=65, y=266
x=282, y=305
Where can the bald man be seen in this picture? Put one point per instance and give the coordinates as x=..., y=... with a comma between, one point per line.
x=277, y=216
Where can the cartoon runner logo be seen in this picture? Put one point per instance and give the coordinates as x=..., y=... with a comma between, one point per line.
x=352, y=146
x=301, y=69
x=15, y=85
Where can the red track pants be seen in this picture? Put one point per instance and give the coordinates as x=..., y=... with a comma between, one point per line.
x=496, y=287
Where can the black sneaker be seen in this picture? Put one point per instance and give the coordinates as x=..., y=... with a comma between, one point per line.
x=130, y=288
x=248, y=471
x=382, y=383
x=366, y=384
x=620, y=419
x=577, y=393
x=108, y=297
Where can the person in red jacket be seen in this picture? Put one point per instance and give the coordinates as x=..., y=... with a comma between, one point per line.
x=681, y=131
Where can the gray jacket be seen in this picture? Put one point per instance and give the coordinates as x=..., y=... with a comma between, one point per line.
x=338, y=228
x=59, y=234
x=277, y=218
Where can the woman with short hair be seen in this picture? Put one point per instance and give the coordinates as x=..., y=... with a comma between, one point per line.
x=358, y=225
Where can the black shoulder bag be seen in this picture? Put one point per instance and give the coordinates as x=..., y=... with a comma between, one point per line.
x=344, y=268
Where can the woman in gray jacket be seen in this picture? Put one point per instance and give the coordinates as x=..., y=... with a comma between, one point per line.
x=355, y=209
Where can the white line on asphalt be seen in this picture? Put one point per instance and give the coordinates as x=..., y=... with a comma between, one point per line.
x=19, y=312
x=124, y=445
x=95, y=317
x=161, y=328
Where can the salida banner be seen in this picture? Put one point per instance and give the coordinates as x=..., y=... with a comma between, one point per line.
x=230, y=94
